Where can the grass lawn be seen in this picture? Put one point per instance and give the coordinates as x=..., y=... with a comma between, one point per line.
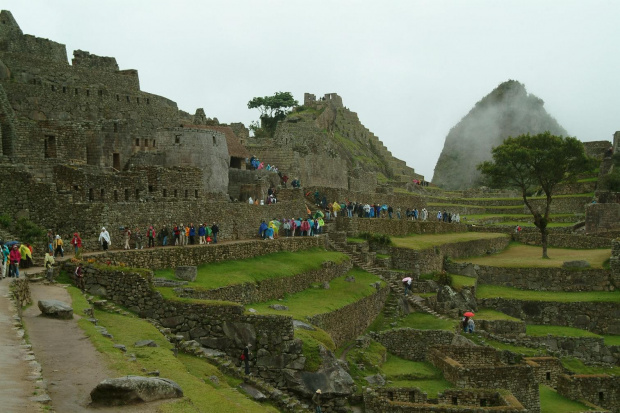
x=522, y=256
x=355, y=240
x=538, y=330
x=420, y=242
x=191, y=373
x=526, y=351
x=460, y=281
x=492, y=315
x=422, y=321
x=531, y=224
x=492, y=291
x=396, y=368
x=577, y=366
x=317, y=300
x=612, y=340
x=279, y=264
x=552, y=402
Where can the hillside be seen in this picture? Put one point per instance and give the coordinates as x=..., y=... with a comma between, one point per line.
x=507, y=111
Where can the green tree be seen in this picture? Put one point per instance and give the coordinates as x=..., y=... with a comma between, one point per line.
x=540, y=161
x=272, y=109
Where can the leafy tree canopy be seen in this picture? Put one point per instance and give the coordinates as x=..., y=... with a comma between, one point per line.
x=273, y=106
x=539, y=161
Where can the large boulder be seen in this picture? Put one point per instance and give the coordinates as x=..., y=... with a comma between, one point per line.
x=331, y=378
x=134, y=389
x=454, y=302
x=186, y=273
x=56, y=309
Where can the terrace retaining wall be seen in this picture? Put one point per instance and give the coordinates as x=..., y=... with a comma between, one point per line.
x=412, y=344
x=601, y=390
x=269, y=289
x=598, y=317
x=396, y=227
x=350, y=321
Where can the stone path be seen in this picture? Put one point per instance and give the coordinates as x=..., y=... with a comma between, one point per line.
x=15, y=386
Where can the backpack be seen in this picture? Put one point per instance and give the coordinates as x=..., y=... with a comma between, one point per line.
x=242, y=358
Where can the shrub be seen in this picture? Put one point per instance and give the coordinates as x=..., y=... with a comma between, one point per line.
x=5, y=220
x=380, y=239
x=444, y=278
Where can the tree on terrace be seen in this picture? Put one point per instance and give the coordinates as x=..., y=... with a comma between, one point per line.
x=272, y=109
x=536, y=162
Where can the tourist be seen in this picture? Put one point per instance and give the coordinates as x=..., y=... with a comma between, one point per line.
x=58, y=249
x=4, y=258
x=192, y=234
x=269, y=233
x=390, y=211
x=398, y=212
x=14, y=259
x=214, y=230
x=177, y=234
x=76, y=241
x=261, y=229
x=186, y=239
x=286, y=226
x=316, y=400
x=439, y=216
x=48, y=263
x=250, y=201
x=104, y=239
x=79, y=277
x=164, y=236
x=138, y=236
x=202, y=234
x=127, y=237
x=26, y=256
x=304, y=227
x=465, y=323
x=407, y=284
x=246, y=358
x=470, y=325
x=151, y=234
x=293, y=226
x=50, y=241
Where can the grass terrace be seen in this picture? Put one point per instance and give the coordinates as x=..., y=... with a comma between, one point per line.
x=458, y=281
x=577, y=366
x=317, y=300
x=552, y=402
x=420, y=321
x=541, y=330
x=421, y=242
x=191, y=373
x=252, y=270
x=525, y=351
x=492, y=315
x=494, y=291
x=527, y=256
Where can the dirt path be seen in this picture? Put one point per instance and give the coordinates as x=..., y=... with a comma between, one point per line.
x=15, y=387
x=71, y=364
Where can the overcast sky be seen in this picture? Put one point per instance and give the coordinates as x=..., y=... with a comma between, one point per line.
x=411, y=69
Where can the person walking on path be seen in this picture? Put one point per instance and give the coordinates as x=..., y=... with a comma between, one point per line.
x=48, y=263
x=14, y=257
x=79, y=277
x=214, y=230
x=246, y=358
x=151, y=234
x=316, y=400
x=76, y=241
x=104, y=239
x=50, y=241
x=3, y=259
x=59, y=250
x=127, y=238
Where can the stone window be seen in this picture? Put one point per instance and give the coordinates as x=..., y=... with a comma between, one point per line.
x=138, y=101
x=126, y=194
x=116, y=161
x=115, y=195
x=601, y=396
x=548, y=375
x=186, y=193
x=75, y=187
x=483, y=403
x=137, y=141
x=177, y=139
x=64, y=89
x=53, y=88
x=76, y=91
x=153, y=143
x=195, y=193
x=137, y=193
x=100, y=92
x=127, y=99
x=115, y=126
x=91, y=194
x=102, y=194
x=165, y=193
x=146, y=143
x=148, y=101
x=390, y=395
x=455, y=401
x=50, y=146
x=118, y=98
x=175, y=193
x=214, y=141
x=151, y=189
x=87, y=92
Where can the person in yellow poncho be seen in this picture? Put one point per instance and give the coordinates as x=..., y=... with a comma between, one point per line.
x=336, y=207
x=273, y=225
x=26, y=254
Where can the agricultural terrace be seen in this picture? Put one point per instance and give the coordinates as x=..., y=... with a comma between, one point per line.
x=495, y=291
x=253, y=270
x=422, y=242
x=528, y=256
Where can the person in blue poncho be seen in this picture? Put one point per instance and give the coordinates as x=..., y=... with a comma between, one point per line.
x=262, y=229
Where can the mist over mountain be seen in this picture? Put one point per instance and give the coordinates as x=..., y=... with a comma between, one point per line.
x=507, y=111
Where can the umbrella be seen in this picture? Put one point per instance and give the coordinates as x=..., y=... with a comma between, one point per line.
x=11, y=243
x=406, y=279
x=469, y=314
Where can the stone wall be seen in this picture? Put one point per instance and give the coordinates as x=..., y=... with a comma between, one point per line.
x=601, y=390
x=598, y=317
x=396, y=227
x=601, y=218
x=542, y=279
x=219, y=325
x=563, y=240
x=547, y=370
x=412, y=344
x=201, y=254
x=432, y=259
x=479, y=367
x=269, y=289
x=350, y=321
x=575, y=204
x=506, y=328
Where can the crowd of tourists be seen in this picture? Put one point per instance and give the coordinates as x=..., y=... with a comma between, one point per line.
x=300, y=227
x=175, y=235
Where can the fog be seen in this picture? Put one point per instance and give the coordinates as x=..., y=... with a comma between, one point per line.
x=410, y=69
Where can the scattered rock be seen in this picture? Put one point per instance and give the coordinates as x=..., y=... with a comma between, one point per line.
x=576, y=264
x=302, y=325
x=325, y=285
x=145, y=343
x=376, y=380
x=278, y=307
x=214, y=379
x=42, y=398
x=253, y=392
x=251, y=310
x=350, y=279
x=213, y=352
x=121, y=347
x=134, y=389
x=56, y=309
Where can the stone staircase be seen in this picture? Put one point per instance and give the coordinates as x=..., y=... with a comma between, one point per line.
x=366, y=261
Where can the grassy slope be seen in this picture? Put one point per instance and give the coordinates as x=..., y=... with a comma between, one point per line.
x=280, y=264
x=492, y=291
x=527, y=256
x=419, y=242
x=189, y=372
x=541, y=330
x=420, y=321
x=552, y=402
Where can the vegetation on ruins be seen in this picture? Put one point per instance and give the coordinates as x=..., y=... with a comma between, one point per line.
x=611, y=181
x=420, y=242
x=528, y=162
x=272, y=109
x=24, y=229
x=552, y=402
